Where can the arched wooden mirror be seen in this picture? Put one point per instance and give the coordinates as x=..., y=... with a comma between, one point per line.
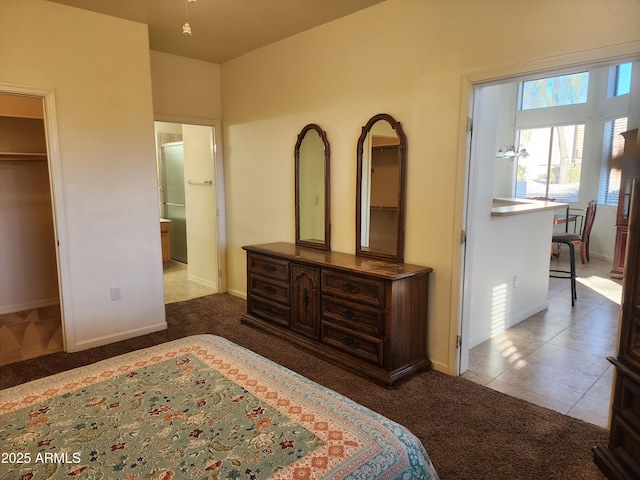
x=312, y=188
x=380, y=189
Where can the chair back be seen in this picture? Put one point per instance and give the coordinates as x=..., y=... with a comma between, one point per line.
x=589, y=217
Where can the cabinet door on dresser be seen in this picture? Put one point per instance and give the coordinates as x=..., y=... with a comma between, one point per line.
x=305, y=315
x=269, y=290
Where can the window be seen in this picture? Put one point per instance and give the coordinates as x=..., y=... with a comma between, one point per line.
x=622, y=79
x=553, y=166
x=554, y=91
x=612, y=146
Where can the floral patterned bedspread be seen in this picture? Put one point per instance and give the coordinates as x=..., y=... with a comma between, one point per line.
x=199, y=407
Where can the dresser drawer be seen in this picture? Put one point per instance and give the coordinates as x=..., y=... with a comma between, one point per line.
x=353, y=287
x=352, y=315
x=270, y=311
x=269, y=289
x=357, y=344
x=630, y=402
x=268, y=267
x=625, y=440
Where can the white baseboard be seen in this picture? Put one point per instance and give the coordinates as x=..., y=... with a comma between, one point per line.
x=237, y=293
x=487, y=334
x=599, y=256
x=440, y=367
x=202, y=281
x=49, y=302
x=107, y=339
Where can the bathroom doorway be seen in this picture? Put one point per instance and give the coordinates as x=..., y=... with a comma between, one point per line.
x=190, y=199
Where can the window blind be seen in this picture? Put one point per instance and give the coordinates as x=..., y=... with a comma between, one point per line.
x=612, y=146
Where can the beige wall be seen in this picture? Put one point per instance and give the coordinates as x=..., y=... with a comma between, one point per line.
x=334, y=76
x=97, y=68
x=184, y=88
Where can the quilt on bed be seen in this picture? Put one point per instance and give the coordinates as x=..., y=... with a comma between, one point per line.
x=199, y=407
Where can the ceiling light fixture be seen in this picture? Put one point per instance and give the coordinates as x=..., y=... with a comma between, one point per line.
x=186, y=28
x=511, y=152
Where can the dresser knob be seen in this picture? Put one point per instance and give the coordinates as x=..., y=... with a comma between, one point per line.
x=350, y=287
x=350, y=314
x=350, y=341
x=270, y=289
x=270, y=311
x=269, y=267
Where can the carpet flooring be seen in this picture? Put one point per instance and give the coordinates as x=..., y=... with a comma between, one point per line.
x=469, y=431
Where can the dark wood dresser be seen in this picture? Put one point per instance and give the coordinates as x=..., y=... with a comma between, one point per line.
x=620, y=457
x=368, y=316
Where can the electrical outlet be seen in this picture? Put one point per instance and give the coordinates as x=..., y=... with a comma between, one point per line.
x=115, y=293
x=516, y=281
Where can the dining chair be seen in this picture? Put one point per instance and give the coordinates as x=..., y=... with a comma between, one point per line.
x=572, y=239
x=587, y=225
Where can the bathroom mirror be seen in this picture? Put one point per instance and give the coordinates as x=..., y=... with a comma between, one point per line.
x=312, y=188
x=380, y=189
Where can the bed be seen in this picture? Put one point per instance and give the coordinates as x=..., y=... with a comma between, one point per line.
x=198, y=407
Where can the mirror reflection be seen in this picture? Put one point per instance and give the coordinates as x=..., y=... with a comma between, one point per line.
x=380, y=201
x=312, y=188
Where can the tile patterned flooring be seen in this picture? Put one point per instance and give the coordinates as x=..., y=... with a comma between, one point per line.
x=30, y=333
x=557, y=357
x=178, y=287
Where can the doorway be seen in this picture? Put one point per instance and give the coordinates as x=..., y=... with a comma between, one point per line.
x=189, y=183
x=511, y=350
x=499, y=118
x=30, y=303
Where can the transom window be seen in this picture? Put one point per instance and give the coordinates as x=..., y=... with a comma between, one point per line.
x=554, y=91
x=551, y=116
x=622, y=79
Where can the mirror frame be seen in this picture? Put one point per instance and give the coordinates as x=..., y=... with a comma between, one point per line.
x=326, y=244
x=398, y=255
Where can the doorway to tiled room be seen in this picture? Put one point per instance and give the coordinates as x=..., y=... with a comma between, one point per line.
x=523, y=336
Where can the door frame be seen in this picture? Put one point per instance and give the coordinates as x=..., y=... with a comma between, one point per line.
x=466, y=161
x=218, y=173
x=57, y=196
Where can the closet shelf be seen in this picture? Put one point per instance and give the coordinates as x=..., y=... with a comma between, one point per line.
x=384, y=208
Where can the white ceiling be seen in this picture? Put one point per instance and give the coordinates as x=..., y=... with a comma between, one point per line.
x=222, y=29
